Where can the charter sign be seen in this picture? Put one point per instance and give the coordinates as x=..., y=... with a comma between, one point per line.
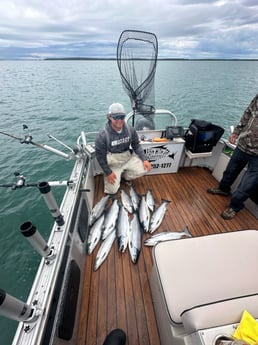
x=164, y=158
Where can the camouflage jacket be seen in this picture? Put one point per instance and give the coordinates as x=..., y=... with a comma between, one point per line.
x=247, y=129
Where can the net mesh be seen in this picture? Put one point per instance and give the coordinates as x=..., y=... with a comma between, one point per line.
x=137, y=53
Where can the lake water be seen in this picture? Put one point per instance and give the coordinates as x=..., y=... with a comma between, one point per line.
x=65, y=97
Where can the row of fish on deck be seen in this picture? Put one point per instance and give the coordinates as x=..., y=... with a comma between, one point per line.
x=127, y=220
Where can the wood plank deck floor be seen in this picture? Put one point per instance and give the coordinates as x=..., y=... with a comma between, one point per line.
x=118, y=294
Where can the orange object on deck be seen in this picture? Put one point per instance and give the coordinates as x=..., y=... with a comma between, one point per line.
x=161, y=140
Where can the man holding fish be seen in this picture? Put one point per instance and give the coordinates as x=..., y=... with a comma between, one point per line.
x=118, y=151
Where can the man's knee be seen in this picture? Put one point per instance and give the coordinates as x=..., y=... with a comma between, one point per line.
x=111, y=188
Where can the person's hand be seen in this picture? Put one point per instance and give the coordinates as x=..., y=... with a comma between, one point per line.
x=147, y=165
x=233, y=138
x=111, y=178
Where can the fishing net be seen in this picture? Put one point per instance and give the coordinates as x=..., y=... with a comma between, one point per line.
x=137, y=53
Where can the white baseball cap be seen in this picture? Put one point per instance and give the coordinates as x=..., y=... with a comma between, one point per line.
x=116, y=108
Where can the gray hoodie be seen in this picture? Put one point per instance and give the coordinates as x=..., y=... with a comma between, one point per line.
x=108, y=140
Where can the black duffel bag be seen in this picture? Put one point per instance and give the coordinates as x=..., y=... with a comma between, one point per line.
x=202, y=136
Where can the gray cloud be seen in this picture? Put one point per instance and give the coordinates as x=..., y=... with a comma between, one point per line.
x=79, y=28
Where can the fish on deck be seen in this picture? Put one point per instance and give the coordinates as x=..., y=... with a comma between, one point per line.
x=123, y=227
x=158, y=215
x=110, y=219
x=167, y=236
x=135, y=238
x=98, y=209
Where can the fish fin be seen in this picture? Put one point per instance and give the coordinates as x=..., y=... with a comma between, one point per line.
x=120, y=204
x=165, y=200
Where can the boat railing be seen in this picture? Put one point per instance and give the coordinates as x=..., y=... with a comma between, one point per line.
x=159, y=119
x=153, y=124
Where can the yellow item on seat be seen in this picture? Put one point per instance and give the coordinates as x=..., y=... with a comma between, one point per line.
x=247, y=329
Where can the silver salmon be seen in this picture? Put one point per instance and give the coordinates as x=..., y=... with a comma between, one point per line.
x=135, y=198
x=110, y=219
x=95, y=234
x=135, y=238
x=104, y=249
x=144, y=214
x=150, y=200
x=123, y=226
x=166, y=236
x=126, y=201
x=98, y=209
x=158, y=216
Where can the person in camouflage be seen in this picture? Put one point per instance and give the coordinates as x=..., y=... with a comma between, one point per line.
x=245, y=135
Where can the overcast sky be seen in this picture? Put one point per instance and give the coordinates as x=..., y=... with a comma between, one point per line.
x=195, y=29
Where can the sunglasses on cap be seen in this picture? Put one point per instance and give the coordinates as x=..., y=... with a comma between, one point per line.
x=118, y=117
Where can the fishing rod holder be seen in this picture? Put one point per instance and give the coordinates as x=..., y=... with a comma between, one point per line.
x=47, y=194
x=36, y=240
x=16, y=309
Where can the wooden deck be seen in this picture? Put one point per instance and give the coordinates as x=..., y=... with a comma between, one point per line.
x=118, y=294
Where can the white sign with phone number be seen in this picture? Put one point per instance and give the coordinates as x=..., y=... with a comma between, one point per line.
x=164, y=157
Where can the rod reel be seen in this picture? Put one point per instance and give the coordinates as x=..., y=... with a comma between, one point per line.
x=19, y=183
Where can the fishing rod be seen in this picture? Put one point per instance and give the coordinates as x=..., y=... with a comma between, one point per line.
x=21, y=182
x=46, y=192
x=28, y=139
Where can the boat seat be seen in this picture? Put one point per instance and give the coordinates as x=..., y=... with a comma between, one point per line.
x=204, y=282
x=219, y=313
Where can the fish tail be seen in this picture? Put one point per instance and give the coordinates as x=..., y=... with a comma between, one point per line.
x=187, y=232
x=113, y=197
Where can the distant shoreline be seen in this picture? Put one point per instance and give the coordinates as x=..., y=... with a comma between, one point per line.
x=114, y=59
x=159, y=59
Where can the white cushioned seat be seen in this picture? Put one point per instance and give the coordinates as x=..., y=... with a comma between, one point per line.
x=206, y=281
x=219, y=313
